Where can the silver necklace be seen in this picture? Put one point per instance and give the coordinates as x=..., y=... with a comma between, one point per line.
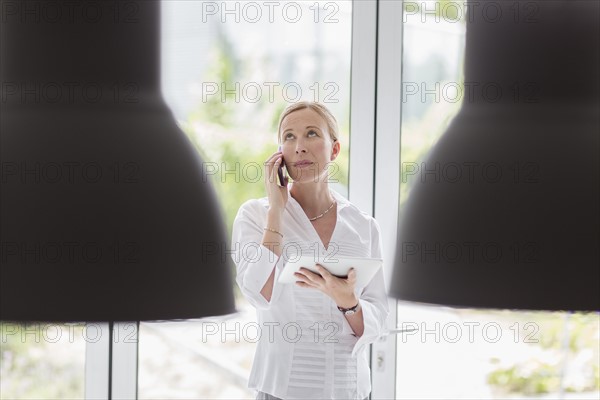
x=326, y=211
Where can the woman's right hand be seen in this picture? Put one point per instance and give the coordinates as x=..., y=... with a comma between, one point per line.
x=278, y=196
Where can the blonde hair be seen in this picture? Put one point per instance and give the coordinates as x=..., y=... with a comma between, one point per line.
x=332, y=126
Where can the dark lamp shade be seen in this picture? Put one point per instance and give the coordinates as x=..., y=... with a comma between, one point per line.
x=507, y=216
x=107, y=211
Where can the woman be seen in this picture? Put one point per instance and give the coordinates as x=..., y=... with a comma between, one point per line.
x=315, y=333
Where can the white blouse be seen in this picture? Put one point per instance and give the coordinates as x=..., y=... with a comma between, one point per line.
x=306, y=348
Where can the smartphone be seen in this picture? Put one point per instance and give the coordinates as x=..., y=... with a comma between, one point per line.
x=280, y=172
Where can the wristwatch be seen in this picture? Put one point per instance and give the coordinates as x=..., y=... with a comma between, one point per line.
x=349, y=311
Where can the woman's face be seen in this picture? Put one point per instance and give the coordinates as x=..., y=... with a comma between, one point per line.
x=306, y=145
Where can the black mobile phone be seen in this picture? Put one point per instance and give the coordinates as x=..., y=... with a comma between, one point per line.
x=280, y=172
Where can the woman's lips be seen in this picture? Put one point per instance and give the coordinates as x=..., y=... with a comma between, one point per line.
x=303, y=164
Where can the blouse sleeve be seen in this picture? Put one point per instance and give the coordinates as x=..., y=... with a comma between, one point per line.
x=373, y=300
x=254, y=262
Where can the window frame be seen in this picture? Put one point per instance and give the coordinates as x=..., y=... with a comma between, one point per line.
x=374, y=170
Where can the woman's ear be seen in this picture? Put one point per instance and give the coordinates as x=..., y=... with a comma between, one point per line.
x=335, y=150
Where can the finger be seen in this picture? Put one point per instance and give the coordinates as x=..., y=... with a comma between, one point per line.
x=324, y=272
x=311, y=275
x=352, y=275
x=272, y=169
x=275, y=155
x=302, y=277
x=270, y=162
x=275, y=168
x=305, y=272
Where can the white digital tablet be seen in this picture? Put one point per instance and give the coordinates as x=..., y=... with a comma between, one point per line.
x=338, y=266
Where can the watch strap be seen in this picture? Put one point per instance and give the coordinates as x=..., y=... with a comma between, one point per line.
x=350, y=310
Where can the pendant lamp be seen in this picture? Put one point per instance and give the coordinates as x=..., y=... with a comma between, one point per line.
x=507, y=214
x=107, y=213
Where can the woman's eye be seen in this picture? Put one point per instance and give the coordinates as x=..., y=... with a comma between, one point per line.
x=309, y=132
x=288, y=135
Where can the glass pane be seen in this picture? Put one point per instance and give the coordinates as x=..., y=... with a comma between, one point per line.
x=229, y=69
x=449, y=353
x=43, y=360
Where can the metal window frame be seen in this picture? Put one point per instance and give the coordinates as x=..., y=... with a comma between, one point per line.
x=375, y=123
x=111, y=362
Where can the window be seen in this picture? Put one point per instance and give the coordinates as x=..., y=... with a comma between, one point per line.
x=229, y=69
x=452, y=353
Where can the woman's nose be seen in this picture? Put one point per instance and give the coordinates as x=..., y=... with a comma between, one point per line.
x=300, y=147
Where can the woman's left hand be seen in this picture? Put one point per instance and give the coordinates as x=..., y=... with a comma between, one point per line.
x=341, y=290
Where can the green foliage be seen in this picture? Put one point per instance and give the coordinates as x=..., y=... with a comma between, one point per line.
x=39, y=367
x=419, y=137
x=234, y=190
x=533, y=377
x=275, y=119
x=220, y=108
x=542, y=379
